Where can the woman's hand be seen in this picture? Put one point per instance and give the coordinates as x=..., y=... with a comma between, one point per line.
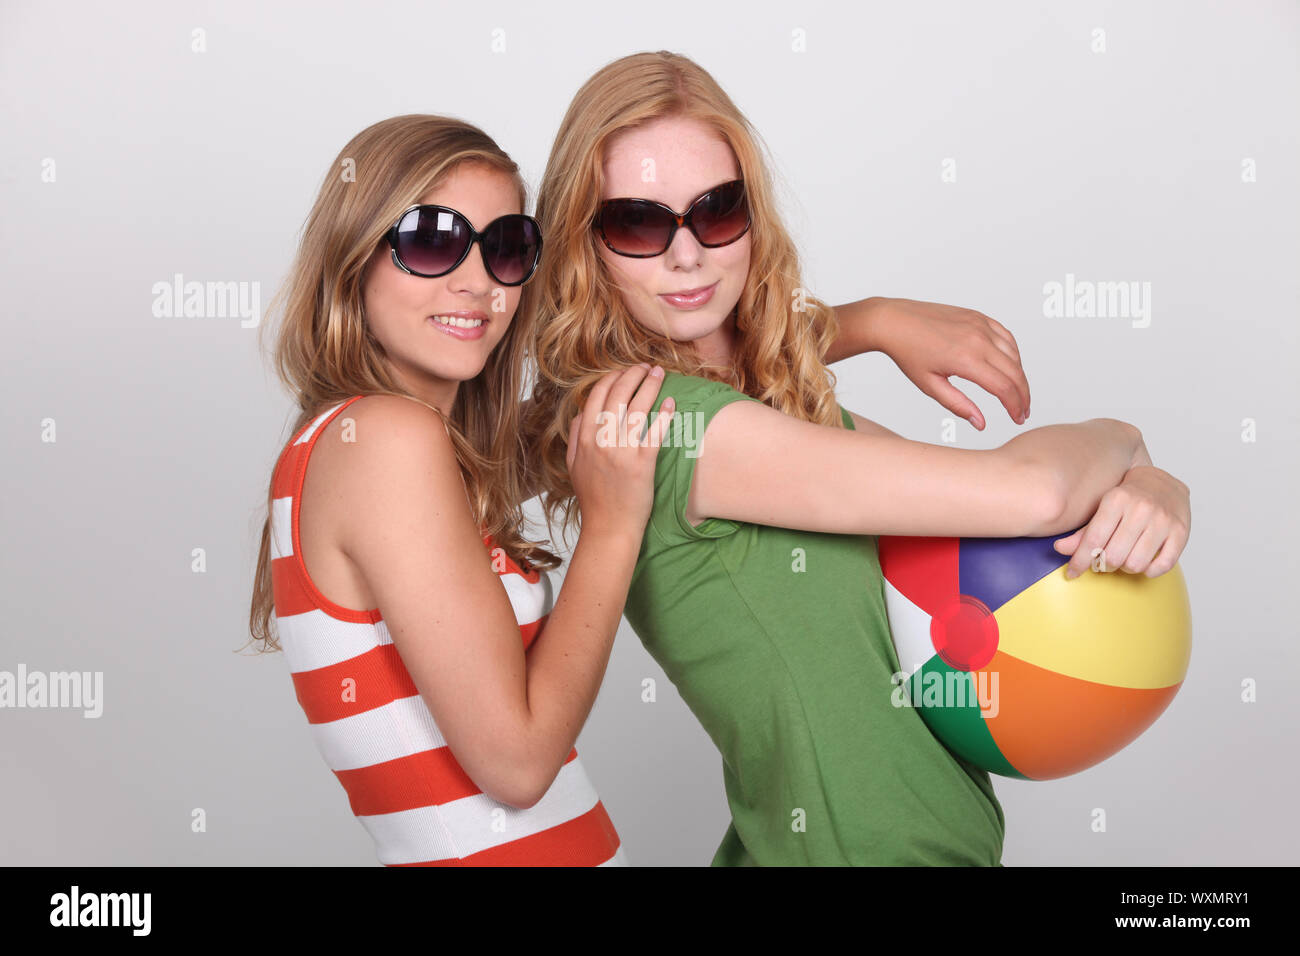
x=1141, y=525
x=929, y=342
x=611, y=463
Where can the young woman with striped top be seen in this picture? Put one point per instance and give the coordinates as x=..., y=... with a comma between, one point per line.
x=405, y=597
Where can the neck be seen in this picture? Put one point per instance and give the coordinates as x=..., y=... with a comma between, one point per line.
x=442, y=396
x=439, y=393
x=718, y=348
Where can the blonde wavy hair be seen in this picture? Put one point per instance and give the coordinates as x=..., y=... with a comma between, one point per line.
x=583, y=327
x=326, y=352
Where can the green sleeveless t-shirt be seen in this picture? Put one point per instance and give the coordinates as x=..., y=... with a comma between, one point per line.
x=778, y=641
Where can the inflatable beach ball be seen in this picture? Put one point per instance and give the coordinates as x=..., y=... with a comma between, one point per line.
x=1020, y=670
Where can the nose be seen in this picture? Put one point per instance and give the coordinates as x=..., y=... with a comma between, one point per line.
x=685, y=251
x=471, y=276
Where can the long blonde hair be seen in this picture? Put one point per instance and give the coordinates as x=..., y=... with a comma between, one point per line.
x=326, y=352
x=583, y=327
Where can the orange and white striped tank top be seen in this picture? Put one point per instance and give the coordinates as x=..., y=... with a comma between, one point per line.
x=376, y=733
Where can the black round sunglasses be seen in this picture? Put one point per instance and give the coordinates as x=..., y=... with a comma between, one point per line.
x=431, y=241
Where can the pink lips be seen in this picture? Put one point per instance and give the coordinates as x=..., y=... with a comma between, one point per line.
x=690, y=298
x=458, y=333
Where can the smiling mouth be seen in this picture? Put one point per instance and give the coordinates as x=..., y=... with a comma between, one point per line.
x=460, y=321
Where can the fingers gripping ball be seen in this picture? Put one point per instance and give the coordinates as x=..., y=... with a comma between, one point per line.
x=1022, y=671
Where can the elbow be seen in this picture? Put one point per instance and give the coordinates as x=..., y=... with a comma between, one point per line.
x=521, y=798
x=503, y=775
x=517, y=769
x=529, y=790
x=520, y=784
x=535, y=782
x=514, y=790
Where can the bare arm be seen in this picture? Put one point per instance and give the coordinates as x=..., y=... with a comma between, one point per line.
x=855, y=329
x=931, y=342
x=1140, y=525
x=866, y=426
x=510, y=718
x=835, y=480
x=1084, y=461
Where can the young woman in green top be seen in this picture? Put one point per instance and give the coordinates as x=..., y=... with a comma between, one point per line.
x=757, y=586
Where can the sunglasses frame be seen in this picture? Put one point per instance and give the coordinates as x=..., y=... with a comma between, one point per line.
x=680, y=220
x=474, y=237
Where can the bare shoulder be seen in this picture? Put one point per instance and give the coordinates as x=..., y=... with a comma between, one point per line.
x=390, y=418
x=362, y=472
x=382, y=456
x=378, y=432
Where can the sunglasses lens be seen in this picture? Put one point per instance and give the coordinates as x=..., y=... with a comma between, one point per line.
x=511, y=249
x=636, y=228
x=431, y=240
x=722, y=216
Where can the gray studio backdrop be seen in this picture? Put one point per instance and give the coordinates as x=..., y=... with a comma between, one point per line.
x=957, y=152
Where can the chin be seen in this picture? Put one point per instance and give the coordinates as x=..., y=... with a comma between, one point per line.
x=464, y=373
x=457, y=370
x=691, y=326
